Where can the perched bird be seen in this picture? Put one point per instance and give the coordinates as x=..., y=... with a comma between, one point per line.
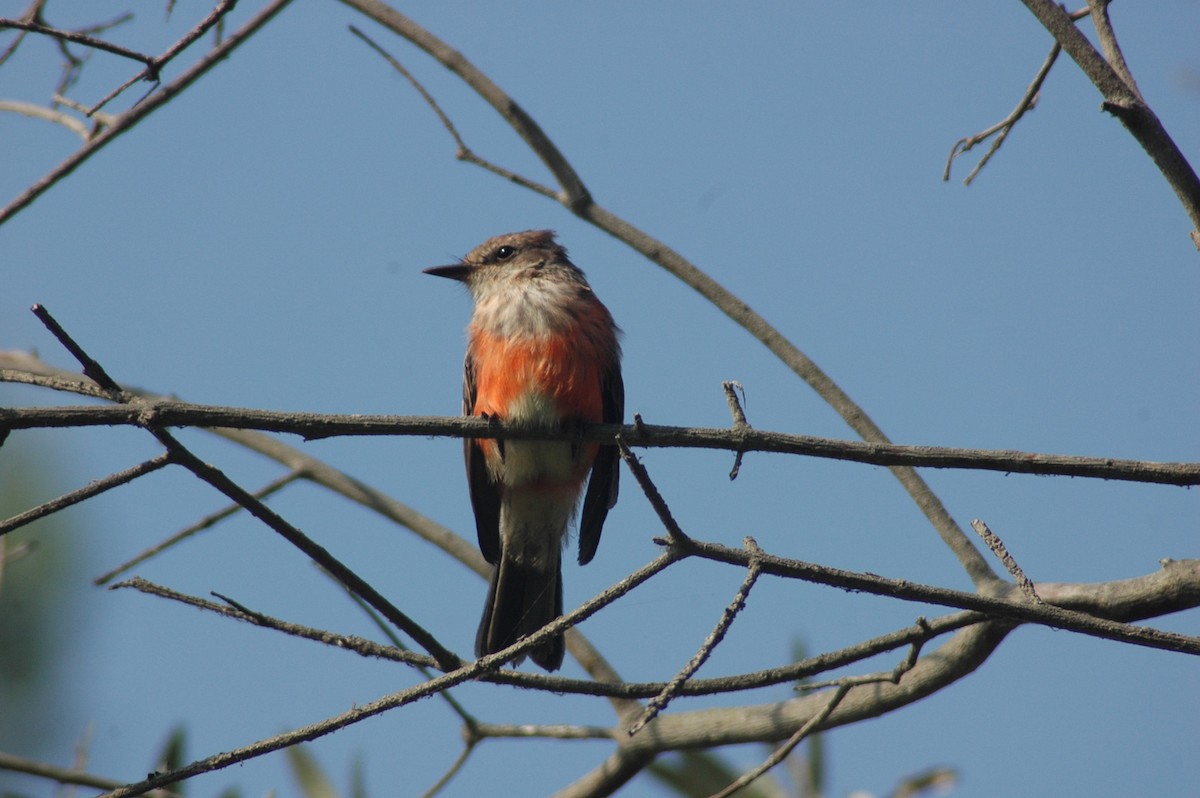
x=542, y=351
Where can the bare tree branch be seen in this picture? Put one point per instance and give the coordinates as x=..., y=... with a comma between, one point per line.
x=48, y=114
x=1045, y=613
x=841, y=687
x=204, y=523
x=1108, y=42
x=1002, y=128
x=1122, y=100
x=660, y=701
x=998, y=548
x=126, y=121
x=1005, y=126
x=174, y=413
x=18, y=764
x=154, y=65
x=94, y=488
x=32, y=26
x=238, y=612
x=916, y=634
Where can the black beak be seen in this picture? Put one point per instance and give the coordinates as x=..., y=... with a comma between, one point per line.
x=455, y=271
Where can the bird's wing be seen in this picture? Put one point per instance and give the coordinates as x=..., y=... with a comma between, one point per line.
x=602, y=487
x=485, y=497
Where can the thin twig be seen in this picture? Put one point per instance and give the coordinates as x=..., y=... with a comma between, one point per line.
x=732, y=388
x=89, y=490
x=676, y=534
x=154, y=66
x=464, y=152
x=842, y=688
x=740, y=424
x=1027, y=103
x=130, y=118
x=1005, y=126
x=892, y=677
x=998, y=548
x=204, y=523
x=101, y=120
x=48, y=114
x=660, y=701
x=781, y=753
x=77, y=38
x=574, y=194
x=239, y=612
x=17, y=764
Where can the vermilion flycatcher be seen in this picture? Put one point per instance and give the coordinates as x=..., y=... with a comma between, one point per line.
x=542, y=351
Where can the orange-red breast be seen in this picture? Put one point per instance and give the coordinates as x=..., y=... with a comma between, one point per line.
x=542, y=351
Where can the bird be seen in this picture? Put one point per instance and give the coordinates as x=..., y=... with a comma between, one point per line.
x=543, y=352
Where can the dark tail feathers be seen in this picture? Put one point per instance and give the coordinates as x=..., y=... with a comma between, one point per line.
x=521, y=600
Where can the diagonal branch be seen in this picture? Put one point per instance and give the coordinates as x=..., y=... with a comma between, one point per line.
x=1002, y=128
x=89, y=490
x=207, y=522
x=237, y=612
x=660, y=701
x=1005, y=126
x=154, y=65
x=33, y=26
x=574, y=193
x=1108, y=41
x=781, y=753
x=180, y=454
x=998, y=548
x=842, y=687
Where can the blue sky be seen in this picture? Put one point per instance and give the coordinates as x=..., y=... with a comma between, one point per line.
x=259, y=242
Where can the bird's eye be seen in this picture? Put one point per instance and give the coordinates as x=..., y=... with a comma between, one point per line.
x=505, y=252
